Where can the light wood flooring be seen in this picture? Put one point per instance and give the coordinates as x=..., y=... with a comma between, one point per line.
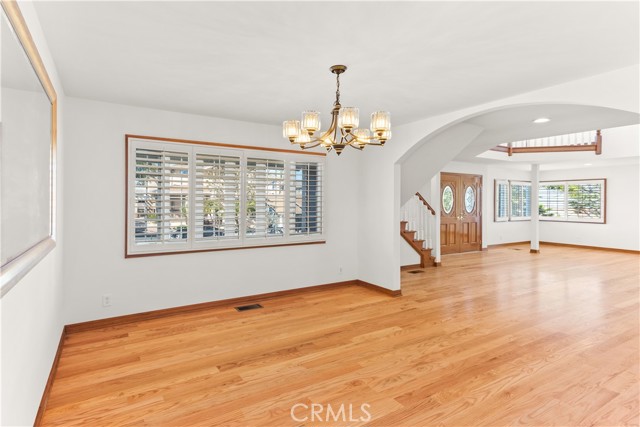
x=493, y=338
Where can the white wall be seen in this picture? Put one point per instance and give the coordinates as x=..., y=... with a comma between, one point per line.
x=94, y=209
x=622, y=229
x=31, y=311
x=408, y=256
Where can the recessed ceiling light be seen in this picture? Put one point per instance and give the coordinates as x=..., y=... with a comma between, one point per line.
x=587, y=164
x=542, y=120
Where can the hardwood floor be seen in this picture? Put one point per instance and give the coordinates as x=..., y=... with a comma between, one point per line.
x=493, y=338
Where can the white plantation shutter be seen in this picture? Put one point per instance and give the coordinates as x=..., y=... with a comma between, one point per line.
x=265, y=198
x=501, y=200
x=305, y=198
x=161, y=189
x=552, y=198
x=217, y=197
x=585, y=201
x=520, y=196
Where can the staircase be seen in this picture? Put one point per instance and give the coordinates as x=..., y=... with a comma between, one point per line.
x=416, y=227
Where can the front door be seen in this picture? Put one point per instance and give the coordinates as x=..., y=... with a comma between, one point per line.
x=460, y=213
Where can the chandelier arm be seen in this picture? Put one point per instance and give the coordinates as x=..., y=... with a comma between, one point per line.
x=313, y=144
x=329, y=131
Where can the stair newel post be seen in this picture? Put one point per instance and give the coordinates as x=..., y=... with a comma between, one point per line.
x=427, y=229
x=422, y=231
x=412, y=222
x=415, y=219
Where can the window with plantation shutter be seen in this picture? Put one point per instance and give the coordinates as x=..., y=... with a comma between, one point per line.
x=573, y=201
x=161, y=196
x=217, y=197
x=305, y=198
x=184, y=196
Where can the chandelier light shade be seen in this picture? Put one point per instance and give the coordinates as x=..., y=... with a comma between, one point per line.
x=348, y=118
x=380, y=122
x=343, y=130
x=291, y=129
x=311, y=121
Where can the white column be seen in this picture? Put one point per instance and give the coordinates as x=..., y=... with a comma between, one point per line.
x=535, y=220
x=435, y=204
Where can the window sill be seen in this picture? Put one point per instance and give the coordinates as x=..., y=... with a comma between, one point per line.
x=573, y=222
x=234, y=248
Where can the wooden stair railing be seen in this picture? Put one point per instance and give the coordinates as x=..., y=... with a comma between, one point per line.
x=418, y=244
x=424, y=202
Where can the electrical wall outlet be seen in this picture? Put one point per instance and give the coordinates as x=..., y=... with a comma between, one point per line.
x=106, y=300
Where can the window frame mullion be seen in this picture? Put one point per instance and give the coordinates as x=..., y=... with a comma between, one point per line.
x=191, y=219
x=242, y=215
x=287, y=190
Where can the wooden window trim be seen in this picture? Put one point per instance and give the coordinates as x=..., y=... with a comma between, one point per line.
x=220, y=144
x=235, y=248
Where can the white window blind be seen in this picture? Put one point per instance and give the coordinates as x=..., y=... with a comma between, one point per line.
x=217, y=197
x=305, y=198
x=161, y=196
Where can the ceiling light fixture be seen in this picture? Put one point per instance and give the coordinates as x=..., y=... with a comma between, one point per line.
x=542, y=120
x=343, y=130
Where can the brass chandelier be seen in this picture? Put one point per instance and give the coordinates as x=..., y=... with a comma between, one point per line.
x=343, y=130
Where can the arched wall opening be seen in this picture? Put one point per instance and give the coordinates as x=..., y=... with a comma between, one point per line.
x=381, y=170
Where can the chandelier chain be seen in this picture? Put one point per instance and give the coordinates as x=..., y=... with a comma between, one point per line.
x=337, y=89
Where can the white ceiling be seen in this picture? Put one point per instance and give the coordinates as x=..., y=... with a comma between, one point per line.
x=265, y=62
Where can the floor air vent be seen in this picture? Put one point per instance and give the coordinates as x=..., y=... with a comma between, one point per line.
x=248, y=307
x=415, y=271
